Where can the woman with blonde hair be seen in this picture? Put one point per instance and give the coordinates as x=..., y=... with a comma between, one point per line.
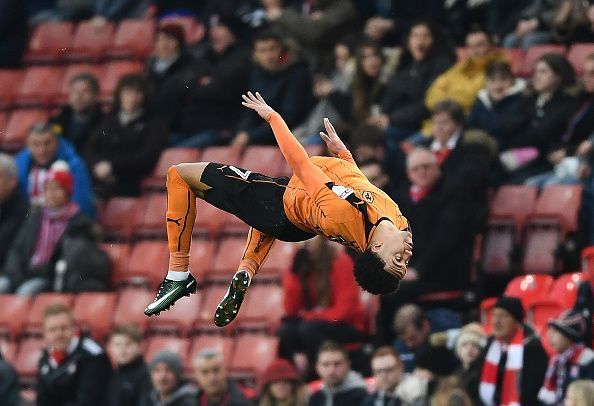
x=580, y=393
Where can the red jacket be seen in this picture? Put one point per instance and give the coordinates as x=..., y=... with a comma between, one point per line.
x=345, y=297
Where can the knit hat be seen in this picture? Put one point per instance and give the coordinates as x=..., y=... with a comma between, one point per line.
x=471, y=333
x=572, y=324
x=172, y=360
x=512, y=305
x=174, y=31
x=232, y=22
x=60, y=172
x=439, y=360
x=279, y=370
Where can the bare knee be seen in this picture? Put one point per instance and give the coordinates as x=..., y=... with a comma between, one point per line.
x=191, y=173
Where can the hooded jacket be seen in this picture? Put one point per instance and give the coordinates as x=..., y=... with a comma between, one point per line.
x=184, y=395
x=352, y=391
x=128, y=383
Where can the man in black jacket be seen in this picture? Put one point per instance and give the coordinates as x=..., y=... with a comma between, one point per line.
x=131, y=378
x=73, y=369
x=79, y=117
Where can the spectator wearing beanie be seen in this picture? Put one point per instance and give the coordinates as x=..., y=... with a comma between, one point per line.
x=571, y=361
x=169, y=385
x=169, y=72
x=513, y=364
x=39, y=245
x=281, y=386
x=469, y=346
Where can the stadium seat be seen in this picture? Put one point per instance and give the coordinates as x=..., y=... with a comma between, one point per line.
x=210, y=300
x=515, y=57
x=530, y=288
x=222, y=155
x=201, y=256
x=266, y=160
x=27, y=359
x=193, y=30
x=49, y=42
x=209, y=219
x=233, y=226
x=133, y=38
x=18, y=125
x=371, y=306
x=130, y=307
x=485, y=313
x=263, y=309
x=228, y=255
x=180, y=346
x=280, y=258
x=8, y=351
x=542, y=242
x=514, y=203
x=113, y=72
x=564, y=290
x=169, y=157
x=253, y=353
x=14, y=314
x=72, y=71
x=118, y=219
x=577, y=56
x=560, y=202
x=224, y=345
x=179, y=319
x=312, y=150
x=119, y=256
x=41, y=86
x=535, y=52
x=40, y=302
x=588, y=262
x=11, y=82
x=151, y=220
x=90, y=309
x=498, y=247
x=148, y=263
x=91, y=42
x=540, y=312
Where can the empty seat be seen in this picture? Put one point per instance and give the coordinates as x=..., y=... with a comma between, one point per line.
x=91, y=42
x=40, y=302
x=253, y=353
x=112, y=74
x=530, y=288
x=577, y=56
x=266, y=160
x=588, y=262
x=209, y=219
x=497, y=250
x=193, y=30
x=541, y=312
x=263, y=308
x=49, y=42
x=118, y=218
x=148, y=263
x=201, y=256
x=371, y=306
x=41, y=85
x=14, y=314
x=515, y=57
x=180, y=346
x=169, y=157
x=564, y=290
x=11, y=82
x=27, y=359
x=280, y=258
x=535, y=52
x=72, y=71
x=224, y=345
x=222, y=155
x=130, y=307
x=18, y=125
x=561, y=202
x=542, y=242
x=211, y=298
x=513, y=203
x=119, y=256
x=228, y=255
x=90, y=309
x=178, y=319
x=151, y=220
x=133, y=38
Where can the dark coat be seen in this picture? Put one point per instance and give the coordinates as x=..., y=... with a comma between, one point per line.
x=12, y=214
x=132, y=149
x=13, y=33
x=233, y=397
x=289, y=90
x=184, y=395
x=17, y=266
x=9, y=385
x=80, y=380
x=128, y=383
x=373, y=398
x=77, y=133
x=351, y=392
x=404, y=98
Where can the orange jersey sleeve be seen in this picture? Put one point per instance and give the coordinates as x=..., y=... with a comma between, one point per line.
x=344, y=210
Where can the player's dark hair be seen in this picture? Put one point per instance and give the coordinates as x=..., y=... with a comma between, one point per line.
x=371, y=276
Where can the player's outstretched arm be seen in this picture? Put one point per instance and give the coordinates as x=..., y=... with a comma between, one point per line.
x=294, y=153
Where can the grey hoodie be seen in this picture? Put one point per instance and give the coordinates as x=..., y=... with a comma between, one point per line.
x=352, y=391
x=185, y=395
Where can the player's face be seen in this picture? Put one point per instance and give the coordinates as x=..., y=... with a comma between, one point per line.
x=396, y=251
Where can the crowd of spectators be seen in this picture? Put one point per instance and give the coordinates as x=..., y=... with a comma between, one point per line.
x=434, y=113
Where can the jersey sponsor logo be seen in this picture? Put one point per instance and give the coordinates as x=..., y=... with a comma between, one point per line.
x=242, y=174
x=342, y=192
x=367, y=196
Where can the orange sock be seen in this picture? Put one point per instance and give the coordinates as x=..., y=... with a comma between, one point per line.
x=258, y=246
x=181, y=214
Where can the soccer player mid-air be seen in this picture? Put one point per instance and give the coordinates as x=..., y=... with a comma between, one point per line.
x=326, y=196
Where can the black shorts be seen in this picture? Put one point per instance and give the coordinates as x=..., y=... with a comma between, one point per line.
x=254, y=198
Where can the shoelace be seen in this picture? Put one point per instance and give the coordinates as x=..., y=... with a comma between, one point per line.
x=164, y=284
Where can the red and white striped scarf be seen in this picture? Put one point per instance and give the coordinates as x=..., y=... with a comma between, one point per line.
x=36, y=183
x=551, y=392
x=510, y=395
x=53, y=224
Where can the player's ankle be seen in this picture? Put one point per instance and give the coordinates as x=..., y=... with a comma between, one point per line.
x=177, y=275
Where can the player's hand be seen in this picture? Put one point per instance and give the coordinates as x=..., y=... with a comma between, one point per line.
x=334, y=143
x=258, y=104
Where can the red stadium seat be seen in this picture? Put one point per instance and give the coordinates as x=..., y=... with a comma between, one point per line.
x=497, y=250
x=119, y=256
x=90, y=309
x=535, y=52
x=561, y=202
x=588, y=262
x=542, y=241
x=8, y=351
x=130, y=307
x=211, y=298
x=371, y=305
x=11, y=82
x=253, y=353
x=27, y=359
x=577, y=56
x=40, y=86
x=542, y=311
x=72, y=71
x=224, y=345
x=180, y=346
x=113, y=72
x=201, y=256
x=133, y=38
x=515, y=57
x=169, y=157
x=148, y=263
x=222, y=155
x=14, y=314
x=564, y=290
x=193, y=30
x=178, y=319
x=263, y=308
x=119, y=215
x=280, y=258
x=91, y=42
x=266, y=160
x=151, y=221
x=209, y=219
x=513, y=203
x=485, y=313
x=18, y=125
x=49, y=42
x=228, y=255
x=530, y=288
x=312, y=150
x=40, y=302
